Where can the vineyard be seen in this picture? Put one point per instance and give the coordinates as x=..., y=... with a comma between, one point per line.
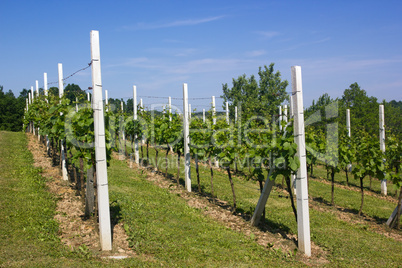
x=250, y=165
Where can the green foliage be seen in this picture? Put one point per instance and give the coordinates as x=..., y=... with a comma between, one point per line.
x=60, y=121
x=363, y=110
x=256, y=98
x=11, y=110
x=315, y=146
x=346, y=150
x=361, y=239
x=80, y=135
x=392, y=117
x=393, y=156
x=73, y=92
x=368, y=157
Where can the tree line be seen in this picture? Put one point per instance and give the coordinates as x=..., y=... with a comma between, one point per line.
x=12, y=107
x=252, y=96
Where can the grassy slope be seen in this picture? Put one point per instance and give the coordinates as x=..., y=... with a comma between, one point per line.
x=346, y=242
x=163, y=229
x=28, y=232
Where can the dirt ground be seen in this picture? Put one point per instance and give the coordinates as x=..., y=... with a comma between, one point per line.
x=220, y=211
x=75, y=230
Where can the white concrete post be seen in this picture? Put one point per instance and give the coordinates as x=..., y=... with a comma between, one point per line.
x=285, y=118
x=26, y=110
x=32, y=93
x=291, y=113
x=37, y=95
x=61, y=86
x=45, y=83
x=227, y=113
x=349, y=167
x=29, y=103
x=46, y=94
x=170, y=108
x=106, y=100
x=214, y=122
x=280, y=117
x=189, y=111
x=235, y=114
x=303, y=216
x=32, y=101
x=213, y=110
x=37, y=88
x=100, y=146
x=393, y=214
x=122, y=124
x=186, y=130
x=63, y=150
x=142, y=107
x=203, y=115
x=262, y=201
x=88, y=97
x=348, y=122
x=382, y=145
x=285, y=113
x=135, y=117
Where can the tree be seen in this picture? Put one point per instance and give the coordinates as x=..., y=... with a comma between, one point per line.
x=73, y=91
x=363, y=109
x=11, y=111
x=23, y=94
x=130, y=106
x=393, y=114
x=115, y=104
x=256, y=98
x=54, y=91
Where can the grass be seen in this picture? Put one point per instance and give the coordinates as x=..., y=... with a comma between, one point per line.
x=373, y=207
x=29, y=236
x=164, y=230
x=340, y=179
x=346, y=242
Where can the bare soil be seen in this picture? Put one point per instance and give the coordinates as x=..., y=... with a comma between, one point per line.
x=220, y=211
x=76, y=232
x=356, y=189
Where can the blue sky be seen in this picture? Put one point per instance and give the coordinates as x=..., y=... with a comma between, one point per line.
x=159, y=45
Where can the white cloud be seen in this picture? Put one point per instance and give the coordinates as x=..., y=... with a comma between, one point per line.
x=267, y=34
x=210, y=65
x=186, y=52
x=182, y=67
x=178, y=23
x=177, y=52
x=130, y=62
x=342, y=64
x=305, y=44
x=256, y=53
